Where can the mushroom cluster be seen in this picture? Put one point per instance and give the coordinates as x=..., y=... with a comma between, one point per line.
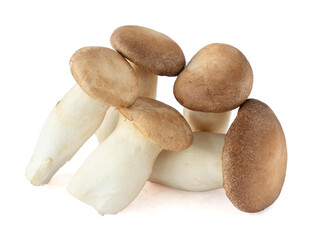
x=143, y=139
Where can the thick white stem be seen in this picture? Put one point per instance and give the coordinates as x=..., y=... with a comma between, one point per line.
x=73, y=120
x=198, y=168
x=207, y=122
x=108, y=124
x=147, y=82
x=147, y=88
x=116, y=171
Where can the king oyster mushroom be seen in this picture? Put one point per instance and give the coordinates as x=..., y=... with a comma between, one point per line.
x=217, y=80
x=104, y=79
x=250, y=160
x=116, y=171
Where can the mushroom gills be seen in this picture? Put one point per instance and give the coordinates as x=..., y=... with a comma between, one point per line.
x=73, y=120
x=116, y=171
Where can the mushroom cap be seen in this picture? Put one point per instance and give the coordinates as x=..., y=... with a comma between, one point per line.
x=151, y=50
x=217, y=79
x=105, y=76
x=254, y=158
x=160, y=123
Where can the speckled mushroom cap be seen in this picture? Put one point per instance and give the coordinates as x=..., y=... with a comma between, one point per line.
x=217, y=79
x=254, y=158
x=105, y=76
x=151, y=50
x=160, y=123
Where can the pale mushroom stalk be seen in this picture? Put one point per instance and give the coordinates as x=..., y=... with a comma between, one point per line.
x=207, y=121
x=147, y=81
x=113, y=175
x=121, y=166
x=73, y=120
x=147, y=88
x=197, y=168
x=108, y=124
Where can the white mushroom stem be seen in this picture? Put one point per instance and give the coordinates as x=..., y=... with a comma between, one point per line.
x=207, y=122
x=197, y=168
x=116, y=171
x=147, y=82
x=147, y=88
x=108, y=124
x=73, y=120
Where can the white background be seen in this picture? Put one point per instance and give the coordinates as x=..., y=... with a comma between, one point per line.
x=284, y=44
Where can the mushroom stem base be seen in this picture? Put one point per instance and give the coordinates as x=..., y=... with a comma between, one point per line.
x=73, y=120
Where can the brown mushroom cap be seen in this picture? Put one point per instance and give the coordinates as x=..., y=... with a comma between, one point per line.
x=160, y=123
x=105, y=76
x=217, y=79
x=254, y=158
x=151, y=50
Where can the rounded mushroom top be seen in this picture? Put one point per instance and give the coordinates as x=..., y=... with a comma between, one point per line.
x=151, y=50
x=217, y=79
x=160, y=123
x=254, y=158
x=105, y=76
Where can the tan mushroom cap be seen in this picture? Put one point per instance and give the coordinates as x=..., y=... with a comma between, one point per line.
x=217, y=79
x=254, y=158
x=105, y=76
x=151, y=50
x=160, y=123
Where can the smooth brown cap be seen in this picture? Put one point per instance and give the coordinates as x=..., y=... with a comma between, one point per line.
x=151, y=50
x=160, y=123
x=217, y=79
x=254, y=158
x=105, y=76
